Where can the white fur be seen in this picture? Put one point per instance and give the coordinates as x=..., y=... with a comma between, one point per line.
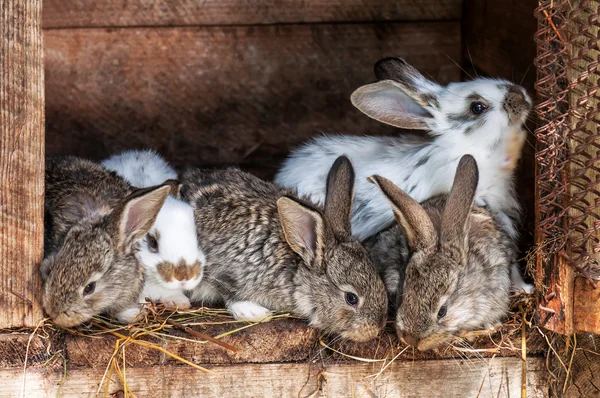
x=396, y=158
x=174, y=225
x=141, y=168
x=248, y=311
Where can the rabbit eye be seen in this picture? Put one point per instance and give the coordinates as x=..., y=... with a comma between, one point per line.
x=442, y=312
x=89, y=289
x=478, y=107
x=152, y=244
x=352, y=299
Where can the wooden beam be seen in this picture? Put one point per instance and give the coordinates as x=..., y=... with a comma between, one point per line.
x=21, y=162
x=586, y=308
x=224, y=94
x=498, y=377
x=121, y=13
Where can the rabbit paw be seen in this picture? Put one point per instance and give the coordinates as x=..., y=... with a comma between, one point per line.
x=128, y=315
x=176, y=301
x=518, y=284
x=248, y=311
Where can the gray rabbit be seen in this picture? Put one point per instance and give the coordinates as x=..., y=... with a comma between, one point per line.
x=94, y=221
x=446, y=263
x=269, y=250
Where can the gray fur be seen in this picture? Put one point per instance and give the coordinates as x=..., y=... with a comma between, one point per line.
x=91, y=239
x=249, y=258
x=472, y=274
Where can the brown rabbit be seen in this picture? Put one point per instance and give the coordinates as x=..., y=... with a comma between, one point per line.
x=446, y=264
x=93, y=224
x=267, y=249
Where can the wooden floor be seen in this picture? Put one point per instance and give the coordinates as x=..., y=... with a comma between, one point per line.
x=281, y=358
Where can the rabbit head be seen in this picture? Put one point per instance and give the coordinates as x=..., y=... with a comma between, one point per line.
x=338, y=287
x=96, y=269
x=483, y=108
x=169, y=252
x=450, y=285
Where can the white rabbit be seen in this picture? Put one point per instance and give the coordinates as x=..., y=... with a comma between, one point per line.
x=173, y=262
x=483, y=118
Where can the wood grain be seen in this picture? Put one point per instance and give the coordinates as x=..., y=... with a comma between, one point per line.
x=21, y=162
x=586, y=307
x=223, y=94
x=499, y=377
x=121, y=13
x=284, y=341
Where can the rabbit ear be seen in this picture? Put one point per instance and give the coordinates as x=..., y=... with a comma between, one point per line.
x=303, y=229
x=175, y=188
x=137, y=213
x=338, y=200
x=419, y=229
x=422, y=90
x=387, y=102
x=46, y=266
x=460, y=201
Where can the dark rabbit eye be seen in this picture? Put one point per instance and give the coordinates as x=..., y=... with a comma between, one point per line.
x=352, y=299
x=152, y=244
x=478, y=107
x=442, y=312
x=89, y=289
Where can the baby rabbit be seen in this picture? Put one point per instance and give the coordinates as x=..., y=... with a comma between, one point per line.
x=172, y=261
x=483, y=117
x=445, y=264
x=94, y=221
x=267, y=249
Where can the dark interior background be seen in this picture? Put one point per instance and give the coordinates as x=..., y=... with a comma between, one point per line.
x=244, y=82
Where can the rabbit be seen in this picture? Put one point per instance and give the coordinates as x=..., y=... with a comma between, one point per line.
x=445, y=263
x=173, y=262
x=141, y=168
x=268, y=249
x=94, y=221
x=483, y=117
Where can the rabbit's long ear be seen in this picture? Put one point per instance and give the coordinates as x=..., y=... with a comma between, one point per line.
x=456, y=214
x=303, y=230
x=339, y=197
x=136, y=214
x=417, y=225
x=402, y=97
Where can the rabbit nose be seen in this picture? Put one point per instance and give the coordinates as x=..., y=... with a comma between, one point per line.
x=409, y=339
x=515, y=101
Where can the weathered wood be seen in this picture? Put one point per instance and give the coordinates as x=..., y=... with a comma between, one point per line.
x=223, y=94
x=584, y=378
x=285, y=341
x=15, y=346
x=498, y=377
x=120, y=13
x=21, y=161
x=586, y=307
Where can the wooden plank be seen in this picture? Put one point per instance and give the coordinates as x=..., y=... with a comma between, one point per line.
x=21, y=162
x=223, y=94
x=584, y=378
x=499, y=377
x=284, y=341
x=121, y=13
x=586, y=307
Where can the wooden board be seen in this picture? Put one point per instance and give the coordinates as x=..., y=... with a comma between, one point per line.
x=283, y=341
x=223, y=94
x=586, y=307
x=499, y=377
x=113, y=13
x=21, y=162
